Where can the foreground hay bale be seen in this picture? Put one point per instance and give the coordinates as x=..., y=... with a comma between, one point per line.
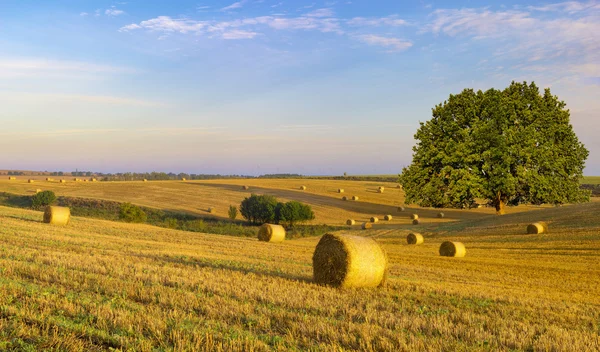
x=350, y=222
x=354, y=197
x=57, y=215
x=401, y=209
x=303, y=188
x=414, y=216
x=453, y=249
x=387, y=218
x=366, y=225
x=440, y=215
x=340, y=190
x=374, y=219
x=271, y=233
x=415, y=238
x=349, y=261
x=537, y=228
x=416, y=222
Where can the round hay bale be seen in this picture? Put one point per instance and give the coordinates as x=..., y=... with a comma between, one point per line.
x=344, y=198
x=37, y=191
x=414, y=216
x=350, y=222
x=381, y=188
x=399, y=186
x=57, y=215
x=183, y=179
x=453, y=249
x=303, y=188
x=416, y=222
x=415, y=238
x=354, y=197
x=537, y=228
x=245, y=187
x=379, y=191
x=387, y=218
x=271, y=233
x=212, y=210
x=31, y=181
x=145, y=180
x=374, y=219
x=340, y=190
x=401, y=209
x=94, y=180
x=63, y=181
x=11, y=178
x=440, y=215
x=349, y=261
x=366, y=225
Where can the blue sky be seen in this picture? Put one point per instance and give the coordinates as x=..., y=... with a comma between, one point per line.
x=266, y=86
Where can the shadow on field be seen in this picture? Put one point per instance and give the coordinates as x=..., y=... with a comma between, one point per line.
x=225, y=265
x=23, y=219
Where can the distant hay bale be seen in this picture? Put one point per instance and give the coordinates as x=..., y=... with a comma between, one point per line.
x=440, y=215
x=399, y=186
x=85, y=180
x=349, y=261
x=366, y=225
x=183, y=179
x=401, y=209
x=387, y=218
x=340, y=190
x=453, y=249
x=381, y=188
x=380, y=191
x=537, y=228
x=303, y=188
x=63, y=181
x=57, y=215
x=344, y=198
x=354, y=197
x=374, y=219
x=416, y=222
x=11, y=178
x=350, y=222
x=212, y=210
x=49, y=179
x=37, y=191
x=94, y=180
x=145, y=180
x=245, y=187
x=271, y=233
x=415, y=238
x=414, y=216
x=31, y=181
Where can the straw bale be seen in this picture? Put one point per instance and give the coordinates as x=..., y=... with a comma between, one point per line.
x=350, y=222
x=416, y=222
x=453, y=249
x=271, y=233
x=537, y=228
x=387, y=218
x=374, y=219
x=366, y=225
x=415, y=238
x=414, y=216
x=441, y=215
x=57, y=215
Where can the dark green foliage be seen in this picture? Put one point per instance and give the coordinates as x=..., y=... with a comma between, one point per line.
x=259, y=209
x=293, y=212
x=233, y=212
x=132, y=213
x=509, y=147
x=43, y=199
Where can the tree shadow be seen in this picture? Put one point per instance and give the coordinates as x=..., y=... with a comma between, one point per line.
x=23, y=219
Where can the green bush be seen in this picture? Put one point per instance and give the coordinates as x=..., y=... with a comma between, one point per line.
x=43, y=199
x=232, y=212
x=293, y=212
x=259, y=209
x=132, y=213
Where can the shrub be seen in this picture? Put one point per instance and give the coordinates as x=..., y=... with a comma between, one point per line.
x=232, y=212
x=293, y=212
x=43, y=199
x=259, y=209
x=132, y=213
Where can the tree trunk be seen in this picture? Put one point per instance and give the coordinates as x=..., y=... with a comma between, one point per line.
x=500, y=205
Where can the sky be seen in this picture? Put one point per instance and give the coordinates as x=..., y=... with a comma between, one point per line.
x=272, y=86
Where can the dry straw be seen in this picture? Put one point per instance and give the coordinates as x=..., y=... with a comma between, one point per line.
x=303, y=188
x=366, y=225
x=354, y=197
x=212, y=210
x=537, y=228
x=414, y=217
x=374, y=219
x=387, y=218
x=453, y=249
x=350, y=222
x=340, y=190
x=440, y=215
x=245, y=187
x=57, y=215
x=271, y=233
x=401, y=209
x=416, y=222
x=415, y=238
x=349, y=261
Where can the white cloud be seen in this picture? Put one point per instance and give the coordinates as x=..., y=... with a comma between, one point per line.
x=83, y=14
x=235, y=5
x=113, y=12
x=36, y=67
x=239, y=34
x=393, y=44
x=570, y=7
x=393, y=21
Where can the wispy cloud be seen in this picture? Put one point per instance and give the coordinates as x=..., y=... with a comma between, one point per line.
x=83, y=14
x=235, y=5
x=393, y=21
x=113, y=12
x=238, y=34
x=38, y=67
x=392, y=44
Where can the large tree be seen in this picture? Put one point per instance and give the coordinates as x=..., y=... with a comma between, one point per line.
x=508, y=146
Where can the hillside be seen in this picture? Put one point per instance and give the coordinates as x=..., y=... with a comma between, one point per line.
x=96, y=285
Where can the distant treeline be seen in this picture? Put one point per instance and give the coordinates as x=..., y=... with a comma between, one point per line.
x=158, y=176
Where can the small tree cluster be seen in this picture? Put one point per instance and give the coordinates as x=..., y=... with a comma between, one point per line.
x=43, y=199
x=132, y=213
x=233, y=212
x=266, y=209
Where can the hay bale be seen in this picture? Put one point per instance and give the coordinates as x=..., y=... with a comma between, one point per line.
x=183, y=179
x=344, y=198
x=11, y=178
x=212, y=210
x=245, y=188
x=63, y=181
x=340, y=190
x=354, y=197
x=414, y=216
x=57, y=215
x=94, y=180
x=415, y=238
x=381, y=188
x=401, y=209
x=37, y=191
x=271, y=233
x=350, y=222
x=537, y=228
x=374, y=219
x=453, y=249
x=31, y=181
x=349, y=261
x=303, y=188
x=145, y=180
x=440, y=215
x=387, y=218
x=379, y=191
x=416, y=222
x=48, y=179
x=399, y=186
x=366, y=225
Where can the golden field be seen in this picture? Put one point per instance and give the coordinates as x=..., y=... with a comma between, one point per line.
x=100, y=285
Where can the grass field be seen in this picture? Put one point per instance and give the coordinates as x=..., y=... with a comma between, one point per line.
x=100, y=285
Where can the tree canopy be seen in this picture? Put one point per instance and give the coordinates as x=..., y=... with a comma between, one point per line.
x=510, y=146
